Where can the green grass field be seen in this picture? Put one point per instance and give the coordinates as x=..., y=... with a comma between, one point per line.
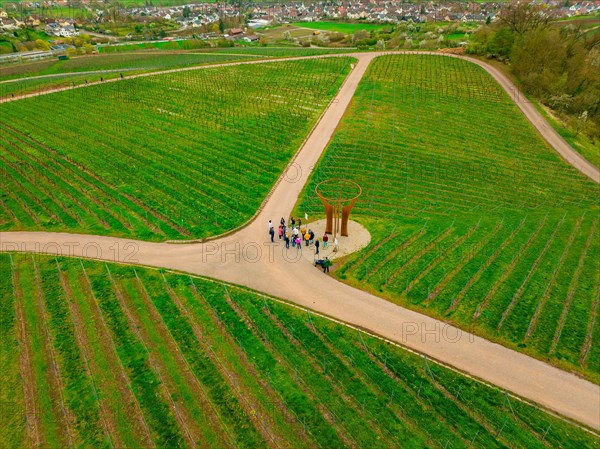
x=584, y=145
x=180, y=155
x=101, y=355
x=474, y=218
x=587, y=21
x=44, y=10
x=341, y=27
x=457, y=37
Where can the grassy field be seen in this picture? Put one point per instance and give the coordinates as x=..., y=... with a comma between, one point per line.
x=181, y=155
x=101, y=355
x=341, y=27
x=588, y=148
x=457, y=37
x=474, y=218
x=587, y=21
x=45, y=11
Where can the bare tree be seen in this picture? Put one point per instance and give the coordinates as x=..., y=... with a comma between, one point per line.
x=521, y=17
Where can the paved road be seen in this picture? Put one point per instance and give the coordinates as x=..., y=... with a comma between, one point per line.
x=247, y=258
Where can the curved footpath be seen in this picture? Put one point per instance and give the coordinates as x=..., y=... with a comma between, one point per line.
x=247, y=258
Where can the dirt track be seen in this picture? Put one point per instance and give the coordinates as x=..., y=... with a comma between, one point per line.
x=245, y=257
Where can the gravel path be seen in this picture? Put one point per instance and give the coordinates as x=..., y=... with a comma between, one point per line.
x=247, y=258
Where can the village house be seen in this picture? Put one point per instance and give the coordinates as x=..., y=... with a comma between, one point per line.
x=8, y=24
x=62, y=30
x=32, y=22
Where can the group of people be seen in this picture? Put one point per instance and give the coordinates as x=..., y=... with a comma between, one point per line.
x=295, y=233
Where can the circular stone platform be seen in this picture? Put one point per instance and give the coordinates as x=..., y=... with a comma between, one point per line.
x=359, y=238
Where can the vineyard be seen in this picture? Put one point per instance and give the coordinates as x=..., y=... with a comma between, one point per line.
x=37, y=77
x=179, y=155
x=278, y=52
x=157, y=60
x=42, y=76
x=154, y=60
x=102, y=355
x=475, y=219
x=268, y=51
